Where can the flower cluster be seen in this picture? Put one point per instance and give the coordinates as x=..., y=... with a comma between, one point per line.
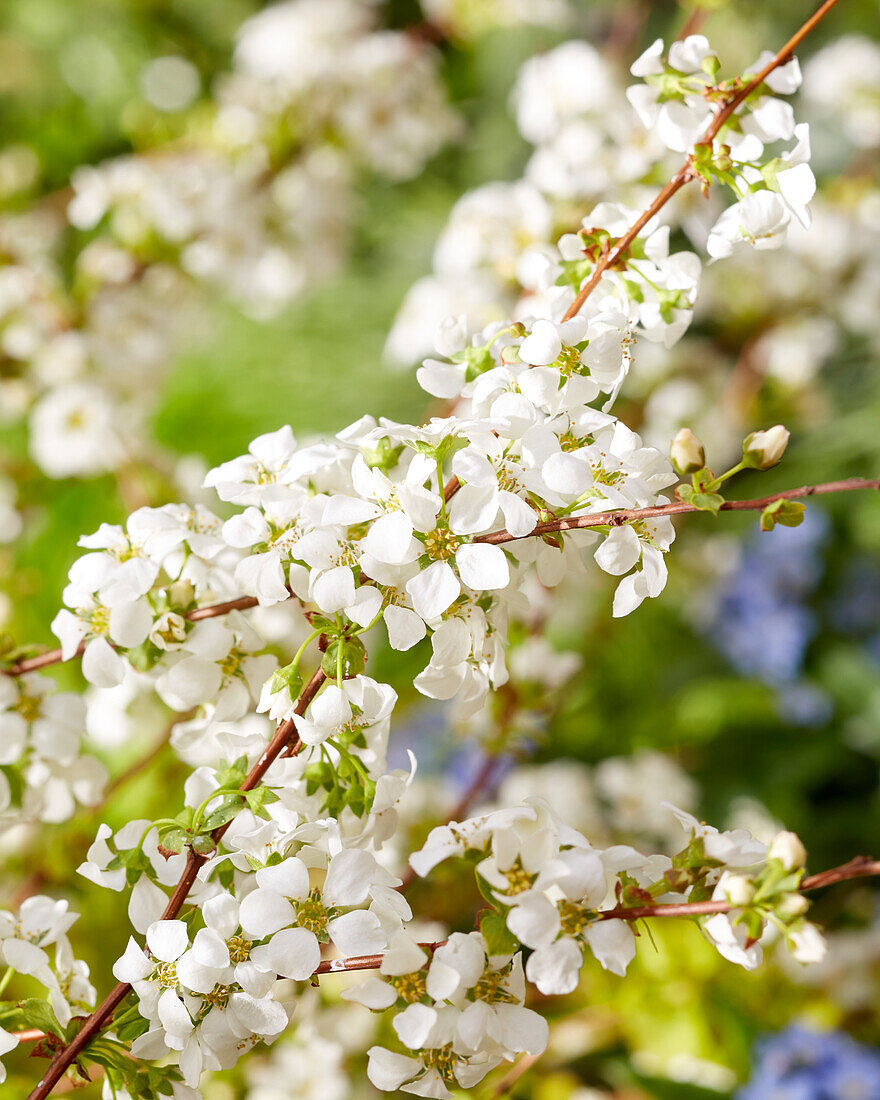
x=446, y=538
x=44, y=773
x=40, y=923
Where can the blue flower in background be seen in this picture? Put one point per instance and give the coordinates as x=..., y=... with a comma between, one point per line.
x=799, y=1064
x=761, y=623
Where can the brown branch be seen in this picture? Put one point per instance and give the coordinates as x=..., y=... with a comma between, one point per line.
x=54, y=656
x=285, y=733
x=600, y=519
x=693, y=24
x=860, y=867
x=676, y=508
x=687, y=172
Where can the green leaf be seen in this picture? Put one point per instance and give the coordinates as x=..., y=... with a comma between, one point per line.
x=232, y=775
x=203, y=843
x=37, y=1013
x=231, y=806
x=258, y=799
x=499, y=939
x=790, y=513
x=286, y=678
x=703, y=502
x=175, y=840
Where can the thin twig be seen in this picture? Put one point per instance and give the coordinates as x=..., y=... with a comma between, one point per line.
x=284, y=734
x=55, y=656
x=860, y=867
x=676, y=508
x=614, y=519
x=687, y=172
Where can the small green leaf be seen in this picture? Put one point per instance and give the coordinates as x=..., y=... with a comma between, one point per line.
x=354, y=657
x=203, y=843
x=175, y=840
x=286, y=678
x=258, y=799
x=231, y=806
x=790, y=513
x=703, y=502
x=499, y=939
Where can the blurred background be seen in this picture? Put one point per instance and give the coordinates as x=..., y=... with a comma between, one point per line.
x=289, y=247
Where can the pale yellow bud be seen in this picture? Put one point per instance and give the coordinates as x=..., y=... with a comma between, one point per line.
x=792, y=905
x=687, y=452
x=789, y=850
x=738, y=889
x=765, y=449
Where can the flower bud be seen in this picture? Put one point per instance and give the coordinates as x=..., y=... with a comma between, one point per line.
x=687, y=452
x=792, y=905
x=738, y=889
x=765, y=449
x=787, y=848
x=807, y=944
x=181, y=593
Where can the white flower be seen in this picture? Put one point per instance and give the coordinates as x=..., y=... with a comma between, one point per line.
x=807, y=943
x=731, y=939
x=341, y=712
x=73, y=432
x=283, y=909
x=760, y=220
x=154, y=979
x=125, y=624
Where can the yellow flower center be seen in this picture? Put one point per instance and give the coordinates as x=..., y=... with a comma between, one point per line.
x=239, y=949
x=409, y=987
x=443, y=1060
x=28, y=706
x=165, y=974
x=518, y=878
x=312, y=915
x=441, y=544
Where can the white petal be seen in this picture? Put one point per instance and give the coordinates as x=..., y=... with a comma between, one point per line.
x=102, y=665
x=482, y=566
x=130, y=623
x=414, y=1025
x=349, y=878
x=294, y=953
x=613, y=944
x=542, y=346
x=388, y=1071
x=264, y=912
x=357, y=933
x=133, y=965
x=167, y=939
x=519, y=518
x=433, y=589
x=620, y=551
x=290, y=878
x=388, y=539
x=334, y=589
x=405, y=627
x=555, y=969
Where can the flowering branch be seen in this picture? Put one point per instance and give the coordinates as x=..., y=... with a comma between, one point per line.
x=860, y=867
x=601, y=519
x=688, y=172
x=55, y=657
x=677, y=508
x=285, y=735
